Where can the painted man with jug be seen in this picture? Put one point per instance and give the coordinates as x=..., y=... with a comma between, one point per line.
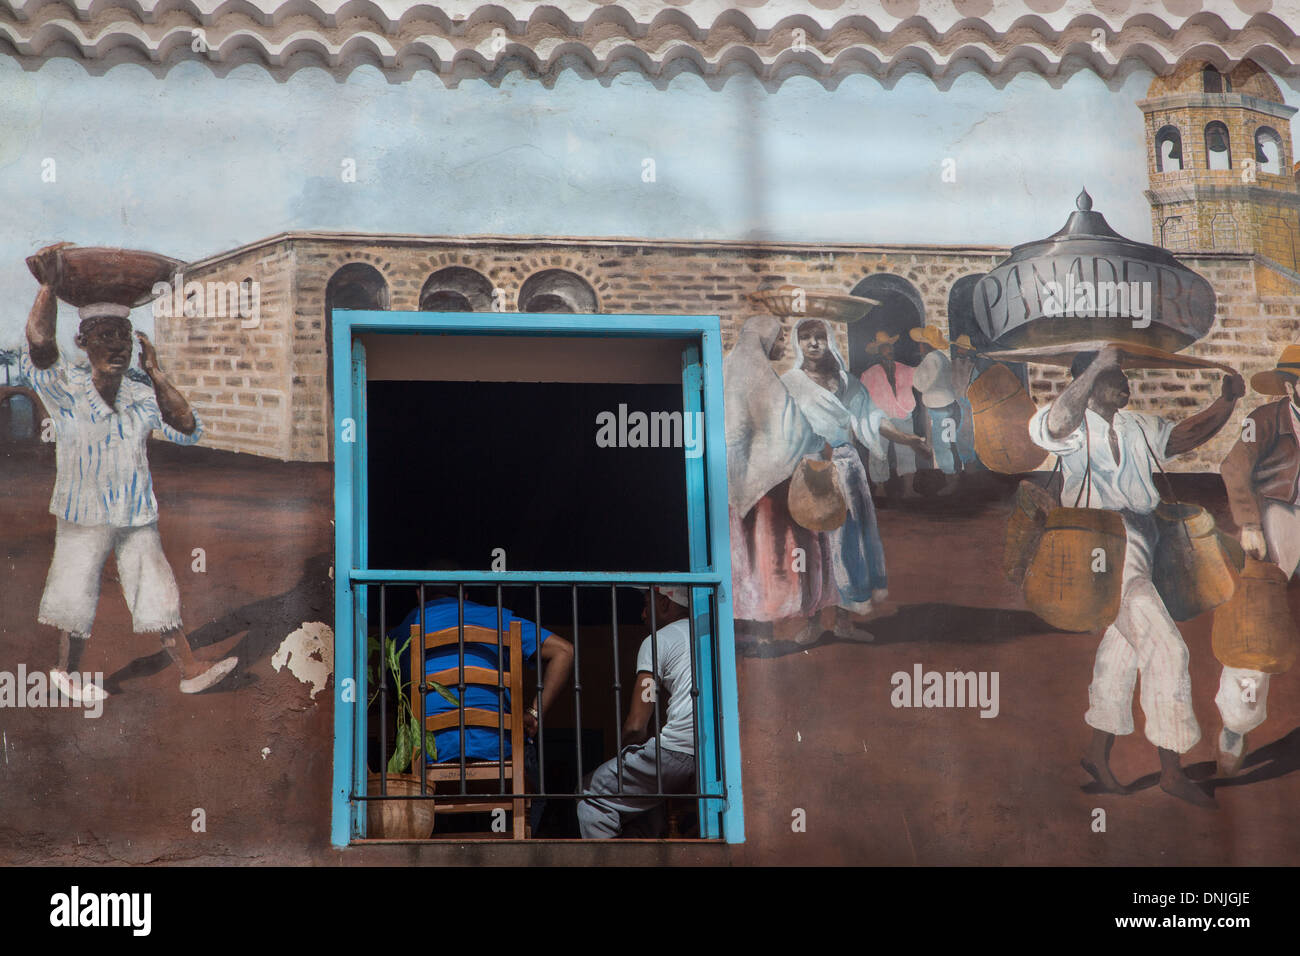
x=1110, y=453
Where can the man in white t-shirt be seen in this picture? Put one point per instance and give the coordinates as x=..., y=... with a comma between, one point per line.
x=614, y=800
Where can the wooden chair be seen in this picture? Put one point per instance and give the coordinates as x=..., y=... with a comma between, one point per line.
x=513, y=678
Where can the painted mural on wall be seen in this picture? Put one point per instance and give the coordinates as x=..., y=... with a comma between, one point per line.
x=103, y=500
x=994, y=509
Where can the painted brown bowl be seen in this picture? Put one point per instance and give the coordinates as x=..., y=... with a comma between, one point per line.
x=91, y=274
x=817, y=304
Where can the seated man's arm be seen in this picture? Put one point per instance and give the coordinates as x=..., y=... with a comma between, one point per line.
x=640, y=712
x=557, y=660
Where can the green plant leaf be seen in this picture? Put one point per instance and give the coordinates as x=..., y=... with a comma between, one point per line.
x=430, y=745
x=400, y=761
x=444, y=692
x=393, y=664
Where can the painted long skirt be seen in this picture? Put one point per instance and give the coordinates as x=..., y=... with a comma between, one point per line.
x=858, y=554
x=779, y=569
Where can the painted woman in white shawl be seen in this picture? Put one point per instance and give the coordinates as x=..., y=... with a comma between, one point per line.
x=781, y=572
x=840, y=411
x=784, y=572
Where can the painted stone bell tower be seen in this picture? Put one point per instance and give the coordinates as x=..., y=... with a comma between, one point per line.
x=1219, y=158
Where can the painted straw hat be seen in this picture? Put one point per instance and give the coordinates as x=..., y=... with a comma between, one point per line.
x=882, y=338
x=929, y=335
x=963, y=343
x=1273, y=382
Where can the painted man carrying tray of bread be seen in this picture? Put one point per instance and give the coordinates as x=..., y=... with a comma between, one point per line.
x=1115, y=450
x=103, y=496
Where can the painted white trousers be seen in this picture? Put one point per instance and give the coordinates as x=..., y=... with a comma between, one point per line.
x=1243, y=693
x=1144, y=641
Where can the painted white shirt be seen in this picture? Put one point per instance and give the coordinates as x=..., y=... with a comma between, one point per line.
x=1115, y=487
x=102, y=466
x=838, y=420
x=933, y=379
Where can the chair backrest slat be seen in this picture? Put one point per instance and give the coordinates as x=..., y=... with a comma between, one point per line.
x=512, y=675
x=449, y=636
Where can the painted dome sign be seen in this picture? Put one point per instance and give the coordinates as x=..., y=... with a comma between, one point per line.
x=1087, y=282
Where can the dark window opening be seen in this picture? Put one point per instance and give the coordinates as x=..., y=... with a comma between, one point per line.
x=456, y=289
x=1212, y=81
x=458, y=470
x=557, y=290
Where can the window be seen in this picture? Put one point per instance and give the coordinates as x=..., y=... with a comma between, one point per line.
x=692, y=347
x=1212, y=81
x=1268, y=150
x=556, y=290
x=456, y=289
x=1218, y=153
x=1169, y=150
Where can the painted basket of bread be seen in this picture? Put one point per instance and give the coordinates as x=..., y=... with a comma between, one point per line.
x=792, y=301
x=86, y=275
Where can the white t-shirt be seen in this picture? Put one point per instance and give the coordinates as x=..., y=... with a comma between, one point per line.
x=674, y=675
x=1128, y=485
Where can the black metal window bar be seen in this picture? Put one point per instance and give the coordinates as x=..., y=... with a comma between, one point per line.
x=710, y=802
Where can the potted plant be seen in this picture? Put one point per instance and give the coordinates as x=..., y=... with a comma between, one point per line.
x=401, y=819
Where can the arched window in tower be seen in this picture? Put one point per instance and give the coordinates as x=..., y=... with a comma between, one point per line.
x=1218, y=152
x=1169, y=150
x=557, y=290
x=1212, y=81
x=1268, y=150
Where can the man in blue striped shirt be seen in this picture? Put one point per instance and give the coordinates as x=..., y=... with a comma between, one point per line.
x=442, y=611
x=103, y=492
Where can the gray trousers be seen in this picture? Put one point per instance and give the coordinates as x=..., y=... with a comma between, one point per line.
x=605, y=812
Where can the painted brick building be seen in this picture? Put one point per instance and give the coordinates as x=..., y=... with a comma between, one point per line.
x=265, y=390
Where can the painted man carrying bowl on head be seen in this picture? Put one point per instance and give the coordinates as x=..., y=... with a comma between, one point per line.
x=103, y=496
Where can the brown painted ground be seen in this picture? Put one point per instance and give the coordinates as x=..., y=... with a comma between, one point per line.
x=878, y=785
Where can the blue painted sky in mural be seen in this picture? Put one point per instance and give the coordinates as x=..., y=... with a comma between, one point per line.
x=195, y=164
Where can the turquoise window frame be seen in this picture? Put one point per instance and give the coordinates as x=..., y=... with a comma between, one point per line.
x=707, y=520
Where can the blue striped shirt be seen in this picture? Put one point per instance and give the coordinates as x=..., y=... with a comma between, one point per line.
x=480, y=742
x=103, y=469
